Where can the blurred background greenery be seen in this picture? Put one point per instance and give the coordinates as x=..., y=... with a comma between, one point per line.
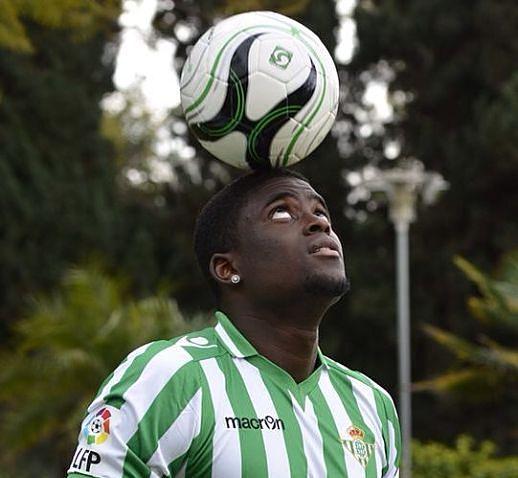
x=99, y=190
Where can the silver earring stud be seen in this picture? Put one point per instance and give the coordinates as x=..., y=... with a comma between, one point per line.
x=235, y=279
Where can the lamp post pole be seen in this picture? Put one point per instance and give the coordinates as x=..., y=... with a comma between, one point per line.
x=402, y=185
x=402, y=197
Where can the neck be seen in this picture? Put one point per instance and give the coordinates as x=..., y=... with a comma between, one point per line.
x=287, y=337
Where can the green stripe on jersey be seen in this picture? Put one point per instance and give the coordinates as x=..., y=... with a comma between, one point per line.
x=291, y=431
x=387, y=413
x=345, y=391
x=114, y=397
x=253, y=456
x=163, y=412
x=134, y=467
x=333, y=448
x=199, y=459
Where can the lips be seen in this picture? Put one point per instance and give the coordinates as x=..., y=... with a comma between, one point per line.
x=326, y=247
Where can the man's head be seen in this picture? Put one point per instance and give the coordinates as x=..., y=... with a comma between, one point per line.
x=273, y=230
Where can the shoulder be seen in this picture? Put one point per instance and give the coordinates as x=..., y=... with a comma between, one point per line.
x=375, y=402
x=160, y=364
x=362, y=384
x=166, y=355
x=152, y=399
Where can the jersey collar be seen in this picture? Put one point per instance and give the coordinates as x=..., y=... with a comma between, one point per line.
x=237, y=345
x=232, y=340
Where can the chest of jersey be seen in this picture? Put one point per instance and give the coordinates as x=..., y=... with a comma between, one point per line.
x=256, y=422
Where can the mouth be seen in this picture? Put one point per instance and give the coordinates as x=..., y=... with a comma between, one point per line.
x=325, y=249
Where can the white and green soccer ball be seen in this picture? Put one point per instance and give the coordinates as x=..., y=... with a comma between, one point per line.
x=259, y=90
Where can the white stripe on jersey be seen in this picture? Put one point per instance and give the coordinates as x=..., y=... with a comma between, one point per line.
x=392, y=471
x=312, y=442
x=227, y=340
x=367, y=403
x=226, y=449
x=275, y=447
x=373, y=384
x=342, y=422
x=170, y=447
x=117, y=375
x=139, y=396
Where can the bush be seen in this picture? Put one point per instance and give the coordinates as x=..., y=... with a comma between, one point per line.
x=60, y=353
x=464, y=460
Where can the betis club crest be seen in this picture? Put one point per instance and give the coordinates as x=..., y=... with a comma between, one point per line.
x=356, y=445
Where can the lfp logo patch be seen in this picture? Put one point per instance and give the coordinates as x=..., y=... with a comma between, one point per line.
x=97, y=429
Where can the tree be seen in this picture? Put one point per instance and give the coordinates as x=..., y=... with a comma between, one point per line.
x=82, y=16
x=63, y=349
x=60, y=180
x=464, y=460
x=487, y=370
x=57, y=181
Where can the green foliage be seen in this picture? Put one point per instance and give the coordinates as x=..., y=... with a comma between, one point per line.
x=131, y=130
x=498, y=303
x=83, y=17
x=488, y=365
x=59, y=193
x=286, y=7
x=62, y=165
x=465, y=460
x=12, y=34
x=66, y=346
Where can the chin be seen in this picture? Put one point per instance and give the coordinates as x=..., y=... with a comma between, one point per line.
x=326, y=286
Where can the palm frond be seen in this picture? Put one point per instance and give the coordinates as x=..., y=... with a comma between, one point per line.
x=463, y=349
x=499, y=301
x=484, y=366
x=447, y=382
x=70, y=341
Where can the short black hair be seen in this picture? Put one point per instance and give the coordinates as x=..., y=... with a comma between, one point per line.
x=215, y=230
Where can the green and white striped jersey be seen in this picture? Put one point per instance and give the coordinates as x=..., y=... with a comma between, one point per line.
x=208, y=405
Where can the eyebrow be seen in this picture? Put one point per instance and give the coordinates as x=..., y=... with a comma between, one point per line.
x=285, y=194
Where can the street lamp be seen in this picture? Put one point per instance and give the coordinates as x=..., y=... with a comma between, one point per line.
x=402, y=185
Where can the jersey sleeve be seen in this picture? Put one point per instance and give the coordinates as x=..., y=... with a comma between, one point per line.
x=103, y=449
x=392, y=436
x=144, y=419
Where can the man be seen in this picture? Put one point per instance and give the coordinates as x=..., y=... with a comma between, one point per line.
x=253, y=397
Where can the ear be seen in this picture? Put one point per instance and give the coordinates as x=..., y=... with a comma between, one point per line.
x=222, y=267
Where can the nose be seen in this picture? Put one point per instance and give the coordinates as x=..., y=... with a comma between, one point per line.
x=317, y=223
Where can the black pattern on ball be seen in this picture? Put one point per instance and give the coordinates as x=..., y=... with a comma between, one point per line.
x=232, y=116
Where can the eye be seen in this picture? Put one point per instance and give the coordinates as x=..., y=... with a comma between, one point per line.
x=281, y=213
x=322, y=213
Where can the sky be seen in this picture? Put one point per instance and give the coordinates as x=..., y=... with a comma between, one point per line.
x=138, y=62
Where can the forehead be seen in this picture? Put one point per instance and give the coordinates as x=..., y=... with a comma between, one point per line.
x=277, y=188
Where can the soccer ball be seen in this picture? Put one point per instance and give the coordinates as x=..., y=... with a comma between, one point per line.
x=259, y=90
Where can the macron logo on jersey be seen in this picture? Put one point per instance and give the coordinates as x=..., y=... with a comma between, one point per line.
x=266, y=423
